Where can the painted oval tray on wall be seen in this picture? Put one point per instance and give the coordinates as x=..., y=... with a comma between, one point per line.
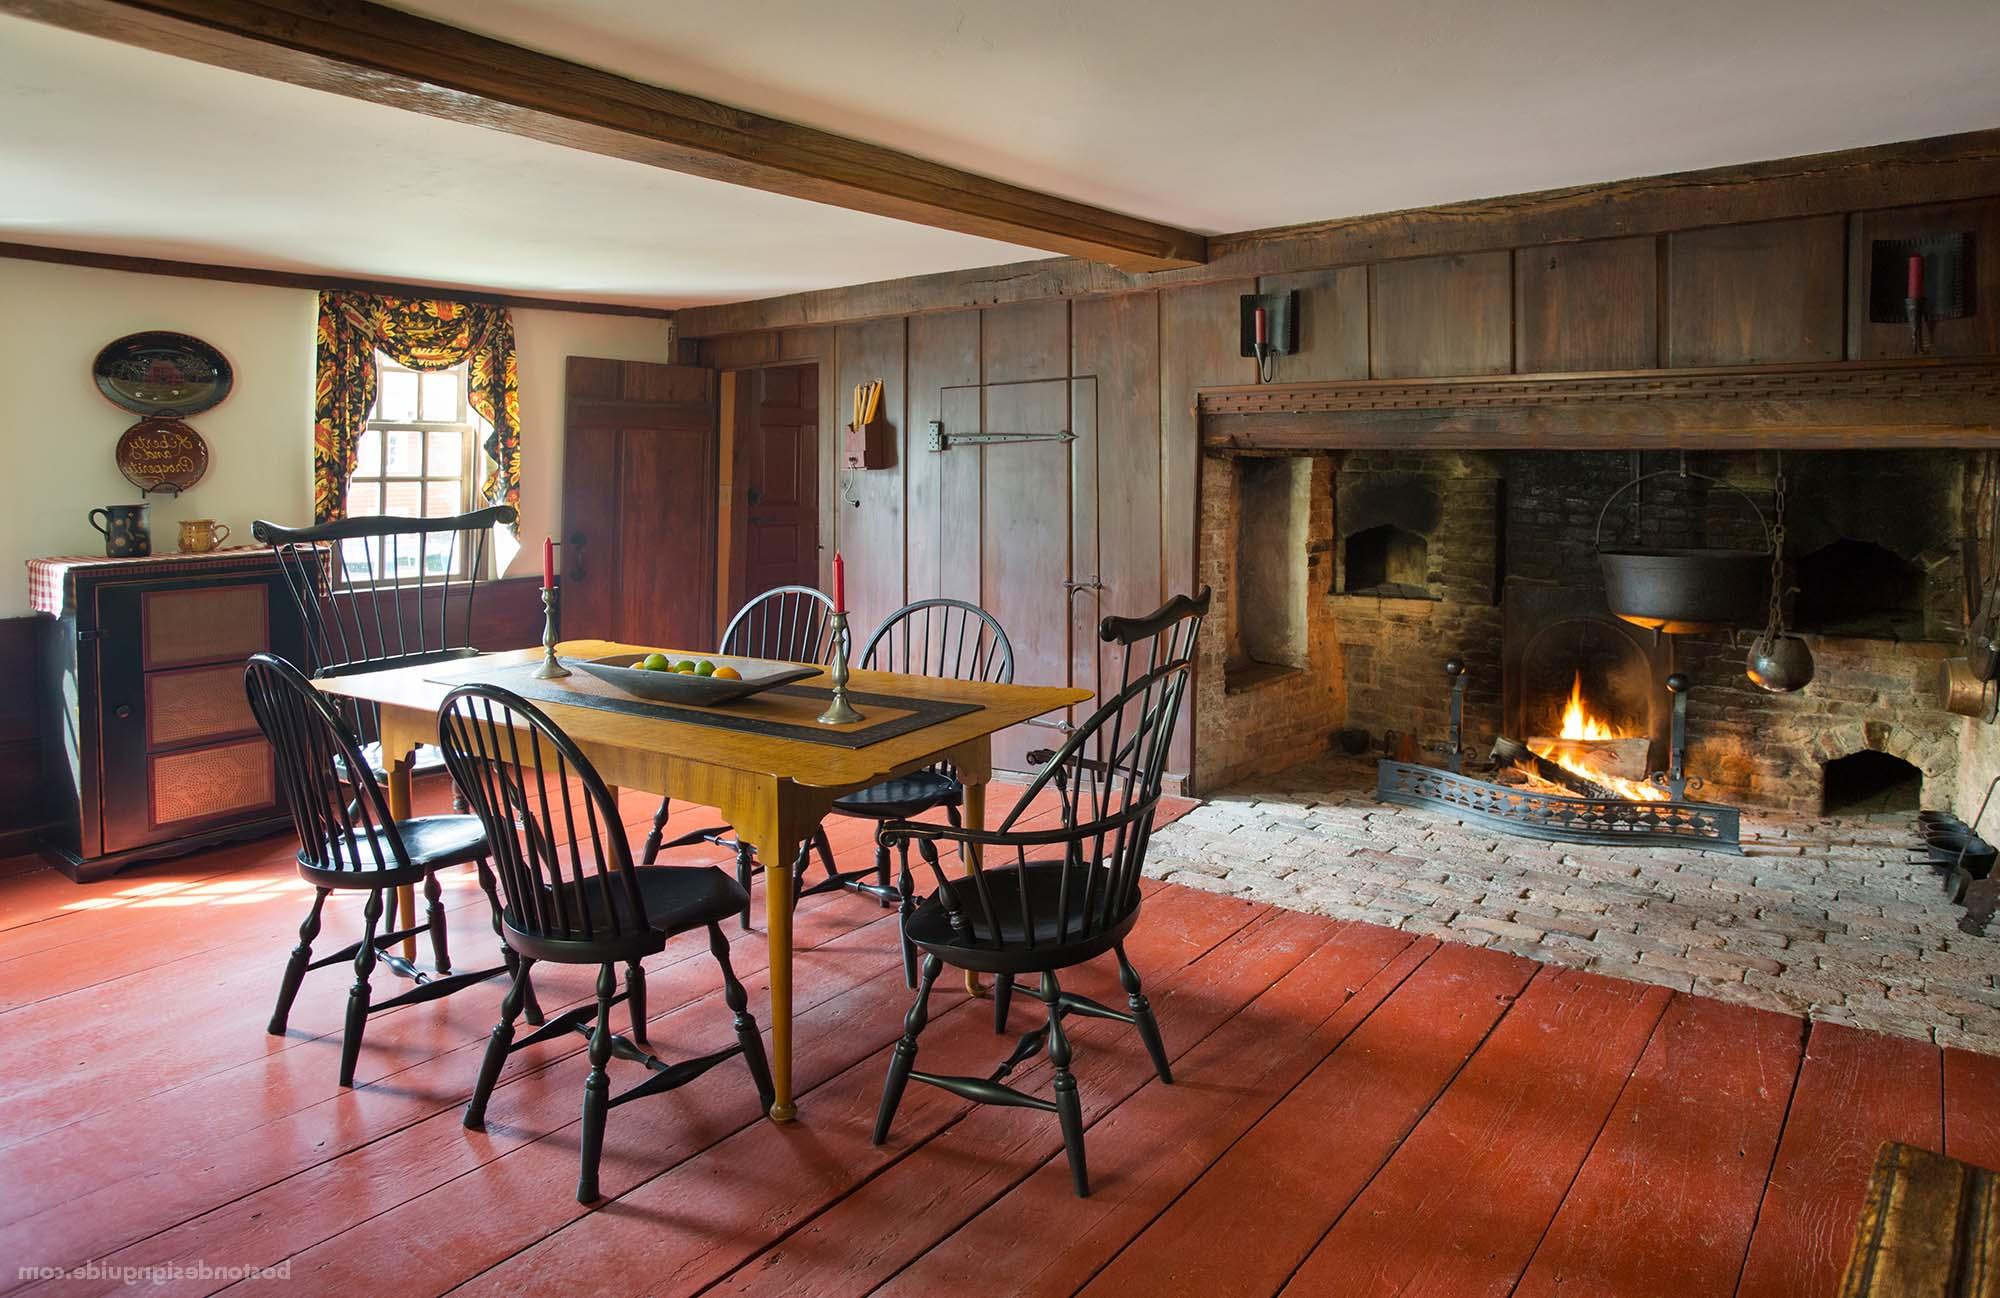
x=160, y=373
x=162, y=455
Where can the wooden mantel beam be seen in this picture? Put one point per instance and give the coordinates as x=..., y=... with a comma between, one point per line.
x=1837, y=405
x=383, y=55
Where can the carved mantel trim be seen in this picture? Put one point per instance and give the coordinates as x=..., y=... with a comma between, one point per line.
x=1831, y=405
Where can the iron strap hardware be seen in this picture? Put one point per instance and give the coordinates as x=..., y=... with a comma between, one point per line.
x=1088, y=583
x=943, y=441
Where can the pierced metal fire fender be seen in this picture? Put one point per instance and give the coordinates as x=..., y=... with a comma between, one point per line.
x=1559, y=818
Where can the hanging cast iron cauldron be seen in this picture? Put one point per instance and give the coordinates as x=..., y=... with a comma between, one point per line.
x=1683, y=591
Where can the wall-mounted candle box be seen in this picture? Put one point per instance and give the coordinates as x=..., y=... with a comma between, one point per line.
x=1947, y=283
x=867, y=446
x=1281, y=322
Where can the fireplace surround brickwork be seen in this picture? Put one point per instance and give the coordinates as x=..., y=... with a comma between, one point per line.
x=1521, y=526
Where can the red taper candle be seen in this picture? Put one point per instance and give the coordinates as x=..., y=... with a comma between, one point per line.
x=548, y=563
x=839, y=583
x=1257, y=318
x=1916, y=288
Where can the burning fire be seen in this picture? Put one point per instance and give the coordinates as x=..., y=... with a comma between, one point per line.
x=1578, y=723
x=1579, y=726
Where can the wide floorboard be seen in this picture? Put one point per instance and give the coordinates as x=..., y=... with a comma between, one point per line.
x=1356, y=1111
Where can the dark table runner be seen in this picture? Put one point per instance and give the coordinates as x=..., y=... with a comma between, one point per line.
x=776, y=712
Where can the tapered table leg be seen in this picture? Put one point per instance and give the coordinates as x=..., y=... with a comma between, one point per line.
x=778, y=934
x=399, y=809
x=974, y=779
x=776, y=816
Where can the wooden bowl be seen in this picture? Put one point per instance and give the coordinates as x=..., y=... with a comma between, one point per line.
x=759, y=674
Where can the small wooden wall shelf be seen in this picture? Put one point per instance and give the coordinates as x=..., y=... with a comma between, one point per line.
x=1824, y=406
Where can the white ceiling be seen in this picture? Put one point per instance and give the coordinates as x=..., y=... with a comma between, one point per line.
x=108, y=148
x=1254, y=113
x=1216, y=118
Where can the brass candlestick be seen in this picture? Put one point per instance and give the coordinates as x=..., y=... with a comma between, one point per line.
x=551, y=668
x=839, y=712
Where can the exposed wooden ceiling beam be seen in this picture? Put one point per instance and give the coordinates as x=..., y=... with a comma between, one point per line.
x=1939, y=170
x=368, y=51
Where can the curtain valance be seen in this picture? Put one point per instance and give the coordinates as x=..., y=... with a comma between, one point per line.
x=424, y=334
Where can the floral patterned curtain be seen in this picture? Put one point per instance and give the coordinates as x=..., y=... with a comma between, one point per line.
x=424, y=334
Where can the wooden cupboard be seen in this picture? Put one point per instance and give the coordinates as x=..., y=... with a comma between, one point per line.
x=152, y=749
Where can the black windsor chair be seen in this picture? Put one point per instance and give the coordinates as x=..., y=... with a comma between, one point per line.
x=1044, y=915
x=348, y=842
x=568, y=892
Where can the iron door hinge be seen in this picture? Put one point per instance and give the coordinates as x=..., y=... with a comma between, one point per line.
x=939, y=440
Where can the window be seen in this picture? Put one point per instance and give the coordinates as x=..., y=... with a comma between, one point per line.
x=418, y=456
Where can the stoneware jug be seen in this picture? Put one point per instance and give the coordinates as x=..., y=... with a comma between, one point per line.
x=127, y=534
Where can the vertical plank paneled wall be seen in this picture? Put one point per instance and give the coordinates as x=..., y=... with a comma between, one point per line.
x=956, y=523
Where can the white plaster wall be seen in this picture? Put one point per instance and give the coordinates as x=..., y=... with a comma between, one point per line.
x=57, y=433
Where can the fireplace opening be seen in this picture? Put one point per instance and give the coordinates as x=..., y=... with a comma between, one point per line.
x=1869, y=782
x=1273, y=516
x=1587, y=664
x=1859, y=588
x=1388, y=561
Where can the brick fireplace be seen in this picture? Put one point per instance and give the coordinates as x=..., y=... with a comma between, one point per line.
x=1344, y=580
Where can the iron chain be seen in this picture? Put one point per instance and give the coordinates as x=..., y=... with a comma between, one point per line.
x=1778, y=553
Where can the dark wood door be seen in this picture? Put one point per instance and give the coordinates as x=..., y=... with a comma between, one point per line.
x=639, y=503
x=777, y=480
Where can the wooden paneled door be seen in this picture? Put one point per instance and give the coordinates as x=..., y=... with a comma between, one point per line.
x=639, y=503
x=1036, y=543
x=775, y=482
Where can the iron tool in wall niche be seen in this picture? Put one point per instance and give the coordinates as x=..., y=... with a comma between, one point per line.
x=1920, y=280
x=1269, y=325
x=867, y=443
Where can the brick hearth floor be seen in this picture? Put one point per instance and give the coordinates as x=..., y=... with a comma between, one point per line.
x=1833, y=919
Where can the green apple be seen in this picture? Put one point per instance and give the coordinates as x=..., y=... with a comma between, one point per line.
x=685, y=666
x=704, y=668
x=657, y=663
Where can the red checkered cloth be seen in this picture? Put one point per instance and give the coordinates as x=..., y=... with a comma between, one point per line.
x=49, y=585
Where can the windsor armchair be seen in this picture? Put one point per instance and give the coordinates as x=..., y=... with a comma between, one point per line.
x=1142, y=644
x=1077, y=902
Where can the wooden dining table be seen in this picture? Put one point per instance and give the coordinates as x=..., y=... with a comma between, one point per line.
x=772, y=788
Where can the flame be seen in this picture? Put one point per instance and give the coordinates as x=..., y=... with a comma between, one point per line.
x=1578, y=724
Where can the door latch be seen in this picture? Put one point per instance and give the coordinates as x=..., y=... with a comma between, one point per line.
x=1088, y=583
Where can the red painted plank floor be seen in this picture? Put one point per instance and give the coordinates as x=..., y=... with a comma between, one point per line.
x=1356, y=1112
